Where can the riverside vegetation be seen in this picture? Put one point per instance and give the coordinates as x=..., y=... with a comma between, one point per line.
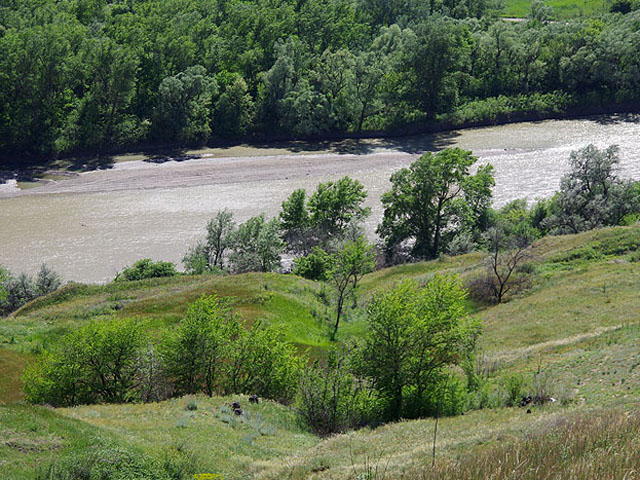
x=97, y=76
x=402, y=342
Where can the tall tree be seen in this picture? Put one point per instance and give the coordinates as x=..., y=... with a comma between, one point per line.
x=414, y=335
x=424, y=201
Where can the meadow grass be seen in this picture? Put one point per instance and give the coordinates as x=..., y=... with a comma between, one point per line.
x=577, y=329
x=218, y=440
x=562, y=9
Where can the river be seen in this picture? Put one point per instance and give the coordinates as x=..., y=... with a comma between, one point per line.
x=89, y=227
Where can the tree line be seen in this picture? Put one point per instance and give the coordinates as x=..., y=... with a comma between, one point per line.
x=95, y=75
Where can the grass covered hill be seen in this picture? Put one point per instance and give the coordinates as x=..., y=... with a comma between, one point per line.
x=574, y=334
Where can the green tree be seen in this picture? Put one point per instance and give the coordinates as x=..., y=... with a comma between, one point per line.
x=257, y=246
x=234, y=109
x=46, y=280
x=314, y=266
x=348, y=266
x=591, y=195
x=194, y=354
x=95, y=363
x=146, y=268
x=263, y=363
x=295, y=223
x=101, y=118
x=434, y=196
x=210, y=255
x=414, y=335
x=183, y=111
x=334, y=205
x=4, y=294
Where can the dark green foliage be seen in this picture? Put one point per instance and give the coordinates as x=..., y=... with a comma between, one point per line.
x=295, y=223
x=332, y=212
x=146, y=268
x=435, y=199
x=211, y=255
x=194, y=354
x=591, y=195
x=315, y=266
x=116, y=463
x=335, y=205
x=349, y=264
x=261, y=362
x=256, y=246
x=15, y=291
x=331, y=399
x=77, y=76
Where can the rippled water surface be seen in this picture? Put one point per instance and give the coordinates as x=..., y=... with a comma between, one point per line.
x=89, y=227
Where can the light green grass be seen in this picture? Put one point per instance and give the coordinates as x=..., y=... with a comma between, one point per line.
x=563, y=9
x=220, y=441
x=578, y=326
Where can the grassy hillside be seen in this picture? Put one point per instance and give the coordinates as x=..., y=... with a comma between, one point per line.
x=574, y=333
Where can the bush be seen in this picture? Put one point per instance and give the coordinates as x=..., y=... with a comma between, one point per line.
x=94, y=364
x=146, y=268
x=331, y=399
x=194, y=355
x=257, y=246
x=261, y=362
x=314, y=266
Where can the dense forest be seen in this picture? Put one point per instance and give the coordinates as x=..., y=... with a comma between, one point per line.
x=87, y=75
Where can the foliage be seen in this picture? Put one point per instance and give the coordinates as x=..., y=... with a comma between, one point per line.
x=295, y=223
x=433, y=199
x=195, y=352
x=335, y=205
x=331, y=399
x=256, y=246
x=184, y=106
x=332, y=212
x=348, y=266
x=414, y=335
x=210, y=256
x=314, y=266
x=98, y=76
x=508, y=252
x=591, y=195
x=146, y=268
x=262, y=363
x=93, y=364
x=15, y=291
x=114, y=463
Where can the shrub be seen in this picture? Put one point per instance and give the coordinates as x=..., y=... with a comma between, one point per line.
x=414, y=335
x=146, y=268
x=116, y=463
x=194, y=354
x=94, y=364
x=261, y=362
x=314, y=266
x=331, y=399
x=257, y=246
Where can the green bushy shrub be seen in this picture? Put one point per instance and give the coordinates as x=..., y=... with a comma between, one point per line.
x=146, y=268
x=314, y=266
x=94, y=364
x=331, y=399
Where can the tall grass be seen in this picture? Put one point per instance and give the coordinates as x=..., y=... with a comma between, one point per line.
x=594, y=445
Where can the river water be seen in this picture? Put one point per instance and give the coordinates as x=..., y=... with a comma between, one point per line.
x=91, y=226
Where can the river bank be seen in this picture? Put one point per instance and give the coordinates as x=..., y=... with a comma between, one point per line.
x=90, y=226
